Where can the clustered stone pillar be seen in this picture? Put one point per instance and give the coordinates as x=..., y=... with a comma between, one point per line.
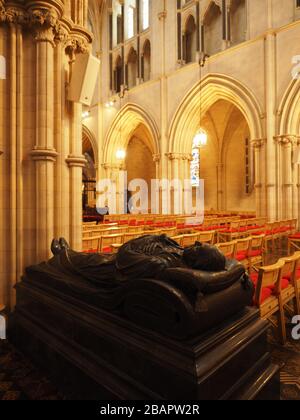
x=285, y=165
x=43, y=151
x=257, y=146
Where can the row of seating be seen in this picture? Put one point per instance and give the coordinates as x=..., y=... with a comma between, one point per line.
x=107, y=243
x=277, y=286
x=248, y=251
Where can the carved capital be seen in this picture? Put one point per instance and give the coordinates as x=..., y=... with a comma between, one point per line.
x=258, y=143
x=156, y=158
x=286, y=139
x=162, y=15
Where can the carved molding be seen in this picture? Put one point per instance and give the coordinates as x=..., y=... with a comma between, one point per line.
x=76, y=161
x=47, y=24
x=258, y=143
x=49, y=155
x=156, y=158
x=180, y=156
x=287, y=139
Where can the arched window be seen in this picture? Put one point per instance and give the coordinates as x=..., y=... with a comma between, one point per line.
x=190, y=40
x=132, y=73
x=146, y=61
x=213, y=36
x=238, y=21
x=118, y=74
x=200, y=140
x=145, y=14
x=131, y=19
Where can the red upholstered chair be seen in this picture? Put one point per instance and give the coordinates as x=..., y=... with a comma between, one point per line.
x=108, y=240
x=91, y=245
x=267, y=286
x=289, y=285
x=178, y=239
x=267, y=231
x=231, y=233
x=228, y=249
x=256, y=251
x=242, y=251
x=294, y=242
x=207, y=237
x=189, y=240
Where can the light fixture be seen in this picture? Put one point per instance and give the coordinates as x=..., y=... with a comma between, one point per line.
x=86, y=115
x=121, y=154
x=200, y=139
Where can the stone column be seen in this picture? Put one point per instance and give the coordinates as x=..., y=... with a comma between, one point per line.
x=257, y=146
x=44, y=154
x=188, y=189
x=286, y=146
x=220, y=191
x=155, y=193
x=270, y=77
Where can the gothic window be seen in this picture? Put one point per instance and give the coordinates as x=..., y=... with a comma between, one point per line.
x=190, y=40
x=146, y=61
x=213, y=30
x=130, y=21
x=145, y=14
x=118, y=75
x=238, y=22
x=131, y=67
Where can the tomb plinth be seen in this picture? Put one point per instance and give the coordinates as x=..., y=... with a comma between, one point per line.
x=143, y=339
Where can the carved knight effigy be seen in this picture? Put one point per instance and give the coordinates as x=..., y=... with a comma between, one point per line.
x=153, y=282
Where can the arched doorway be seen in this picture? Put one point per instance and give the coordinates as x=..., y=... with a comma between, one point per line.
x=89, y=175
x=133, y=133
x=139, y=165
x=231, y=119
x=227, y=161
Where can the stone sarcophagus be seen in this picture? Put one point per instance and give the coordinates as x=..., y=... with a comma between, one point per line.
x=152, y=322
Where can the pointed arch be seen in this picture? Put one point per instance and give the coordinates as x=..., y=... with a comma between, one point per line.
x=212, y=88
x=122, y=128
x=88, y=137
x=289, y=110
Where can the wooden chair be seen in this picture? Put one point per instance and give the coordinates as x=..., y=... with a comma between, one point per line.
x=256, y=251
x=277, y=234
x=207, y=237
x=189, y=240
x=242, y=251
x=268, y=279
x=152, y=232
x=289, y=285
x=169, y=232
x=130, y=236
x=294, y=242
x=177, y=239
x=91, y=244
x=108, y=240
x=232, y=233
x=228, y=249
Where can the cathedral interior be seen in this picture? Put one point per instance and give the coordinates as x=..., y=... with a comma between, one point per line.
x=149, y=200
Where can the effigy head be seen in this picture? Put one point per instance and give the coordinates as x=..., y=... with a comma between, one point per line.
x=204, y=257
